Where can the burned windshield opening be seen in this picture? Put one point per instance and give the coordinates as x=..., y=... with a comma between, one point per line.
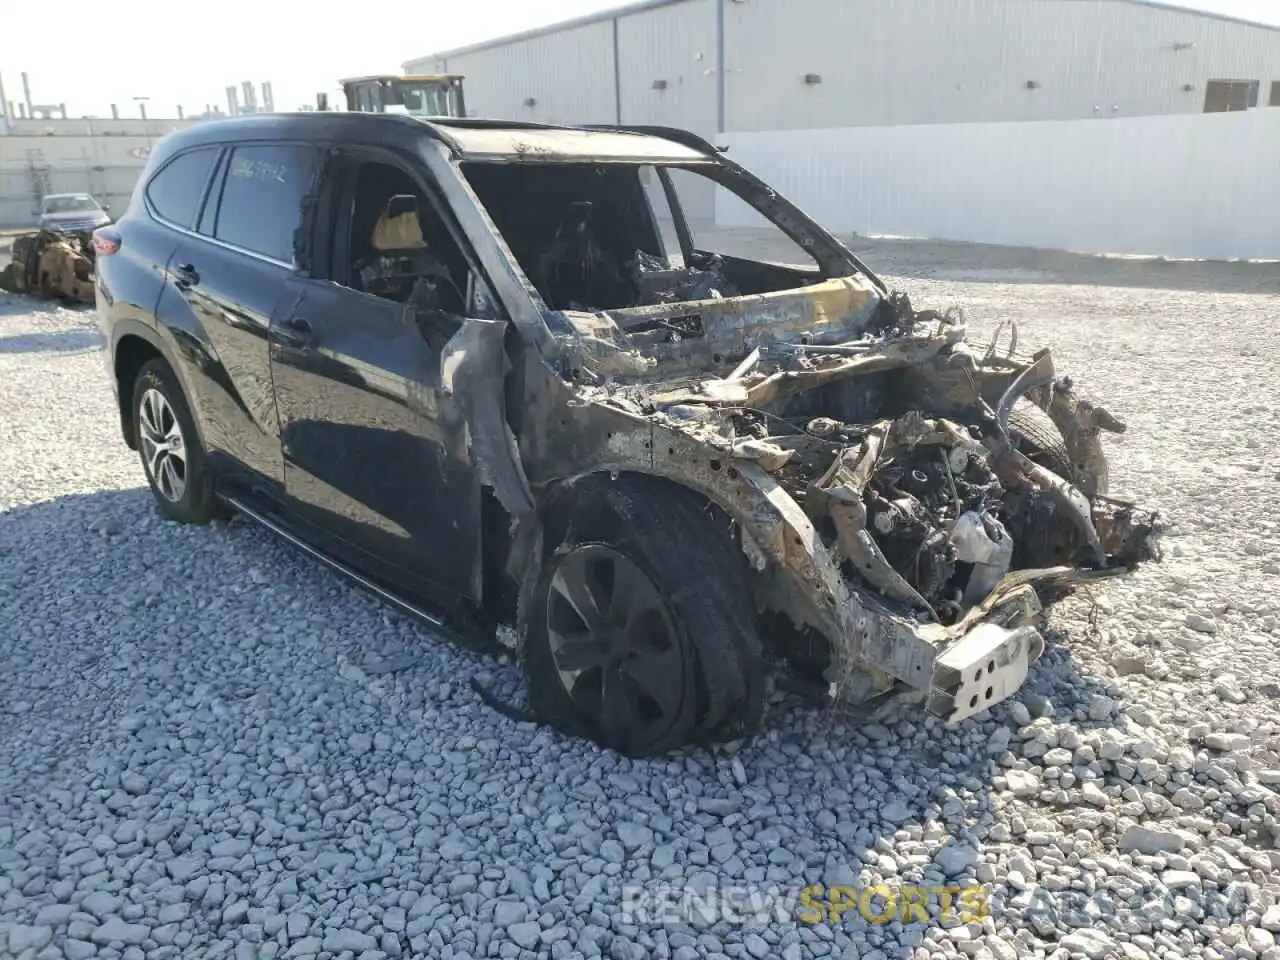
x=596, y=236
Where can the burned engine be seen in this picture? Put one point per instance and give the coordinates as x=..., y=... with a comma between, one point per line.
x=913, y=501
x=934, y=509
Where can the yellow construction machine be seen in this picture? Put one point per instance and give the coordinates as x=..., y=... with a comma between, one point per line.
x=419, y=95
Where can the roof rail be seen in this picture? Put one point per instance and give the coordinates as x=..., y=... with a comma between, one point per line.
x=674, y=134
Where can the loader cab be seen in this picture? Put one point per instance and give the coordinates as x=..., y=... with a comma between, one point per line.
x=425, y=95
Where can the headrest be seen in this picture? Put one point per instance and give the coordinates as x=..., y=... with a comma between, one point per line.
x=397, y=233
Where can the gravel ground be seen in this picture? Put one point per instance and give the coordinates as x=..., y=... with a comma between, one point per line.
x=210, y=746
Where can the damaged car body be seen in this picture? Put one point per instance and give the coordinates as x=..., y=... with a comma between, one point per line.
x=52, y=264
x=671, y=463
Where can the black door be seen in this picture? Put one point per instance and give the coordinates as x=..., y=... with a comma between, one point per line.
x=233, y=277
x=369, y=439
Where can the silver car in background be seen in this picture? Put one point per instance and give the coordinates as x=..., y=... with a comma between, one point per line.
x=72, y=213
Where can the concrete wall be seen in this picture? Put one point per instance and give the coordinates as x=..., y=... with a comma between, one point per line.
x=107, y=167
x=101, y=157
x=881, y=62
x=125, y=126
x=1199, y=187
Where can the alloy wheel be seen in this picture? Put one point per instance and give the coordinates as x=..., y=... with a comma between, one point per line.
x=164, y=449
x=614, y=645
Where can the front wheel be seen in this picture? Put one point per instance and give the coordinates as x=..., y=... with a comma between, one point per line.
x=639, y=628
x=173, y=458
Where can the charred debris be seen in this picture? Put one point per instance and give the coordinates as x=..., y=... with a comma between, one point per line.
x=933, y=468
x=907, y=499
x=51, y=265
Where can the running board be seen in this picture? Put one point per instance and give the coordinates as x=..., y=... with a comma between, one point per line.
x=381, y=592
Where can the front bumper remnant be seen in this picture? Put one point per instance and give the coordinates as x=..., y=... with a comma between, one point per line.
x=987, y=665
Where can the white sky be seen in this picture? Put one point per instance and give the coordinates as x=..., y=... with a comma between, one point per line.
x=113, y=52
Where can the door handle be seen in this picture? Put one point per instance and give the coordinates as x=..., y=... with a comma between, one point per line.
x=297, y=332
x=185, y=276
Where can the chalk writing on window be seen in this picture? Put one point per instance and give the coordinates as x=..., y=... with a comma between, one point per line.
x=257, y=170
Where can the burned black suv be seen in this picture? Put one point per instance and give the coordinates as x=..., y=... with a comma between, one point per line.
x=510, y=373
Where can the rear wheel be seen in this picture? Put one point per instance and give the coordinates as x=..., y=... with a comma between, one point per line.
x=172, y=455
x=639, y=629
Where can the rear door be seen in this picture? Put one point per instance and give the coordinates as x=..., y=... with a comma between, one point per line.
x=232, y=271
x=371, y=443
x=131, y=280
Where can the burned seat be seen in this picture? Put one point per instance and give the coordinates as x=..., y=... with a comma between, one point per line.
x=402, y=267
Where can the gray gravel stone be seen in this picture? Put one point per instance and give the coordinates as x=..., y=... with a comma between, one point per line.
x=634, y=835
x=1226, y=742
x=23, y=937
x=1151, y=841
x=353, y=940
x=183, y=869
x=1201, y=624
x=525, y=935
x=114, y=929
x=101, y=904
x=306, y=947
x=234, y=847
x=206, y=763
x=508, y=912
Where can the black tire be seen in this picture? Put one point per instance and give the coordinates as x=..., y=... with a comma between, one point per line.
x=1039, y=438
x=690, y=554
x=196, y=503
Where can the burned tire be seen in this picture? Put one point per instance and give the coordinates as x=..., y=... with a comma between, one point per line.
x=639, y=628
x=1037, y=436
x=173, y=457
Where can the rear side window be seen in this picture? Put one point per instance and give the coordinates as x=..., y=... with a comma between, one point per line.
x=174, y=192
x=262, y=193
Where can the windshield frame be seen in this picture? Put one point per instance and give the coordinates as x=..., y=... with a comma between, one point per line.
x=832, y=257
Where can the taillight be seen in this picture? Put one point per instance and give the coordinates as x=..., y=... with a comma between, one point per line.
x=106, y=241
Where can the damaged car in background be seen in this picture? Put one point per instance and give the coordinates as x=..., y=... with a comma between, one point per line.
x=516, y=378
x=51, y=264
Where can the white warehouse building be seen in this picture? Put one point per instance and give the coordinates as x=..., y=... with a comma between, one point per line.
x=1102, y=126
x=750, y=65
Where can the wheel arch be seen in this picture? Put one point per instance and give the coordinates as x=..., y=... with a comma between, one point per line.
x=778, y=545
x=134, y=345
x=727, y=662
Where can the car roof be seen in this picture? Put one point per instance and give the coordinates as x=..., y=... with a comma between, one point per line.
x=565, y=143
x=468, y=138
x=59, y=196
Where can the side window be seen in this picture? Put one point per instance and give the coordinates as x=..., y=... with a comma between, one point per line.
x=396, y=246
x=175, y=191
x=722, y=222
x=1229, y=96
x=260, y=208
